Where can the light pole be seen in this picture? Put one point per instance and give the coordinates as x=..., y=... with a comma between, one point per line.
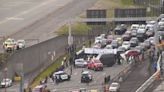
x=70, y=43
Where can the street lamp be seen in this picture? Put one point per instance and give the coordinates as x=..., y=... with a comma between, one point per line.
x=71, y=49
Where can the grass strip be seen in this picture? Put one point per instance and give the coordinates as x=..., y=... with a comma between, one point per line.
x=127, y=2
x=47, y=72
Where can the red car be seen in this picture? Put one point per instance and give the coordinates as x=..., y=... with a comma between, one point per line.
x=95, y=64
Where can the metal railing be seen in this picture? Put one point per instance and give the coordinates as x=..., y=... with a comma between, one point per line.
x=113, y=19
x=148, y=82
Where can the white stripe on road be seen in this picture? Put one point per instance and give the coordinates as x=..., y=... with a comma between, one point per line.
x=14, y=18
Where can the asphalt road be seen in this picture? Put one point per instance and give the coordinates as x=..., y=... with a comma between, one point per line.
x=137, y=77
x=98, y=79
x=39, y=20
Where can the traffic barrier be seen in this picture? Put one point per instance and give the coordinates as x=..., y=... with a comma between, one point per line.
x=155, y=76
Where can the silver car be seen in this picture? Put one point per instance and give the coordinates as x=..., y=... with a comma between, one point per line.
x=80, y=62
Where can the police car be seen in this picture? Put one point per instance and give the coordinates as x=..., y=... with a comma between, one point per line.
x=61, y=76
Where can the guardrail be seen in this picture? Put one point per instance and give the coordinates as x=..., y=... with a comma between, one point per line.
x=147, y=83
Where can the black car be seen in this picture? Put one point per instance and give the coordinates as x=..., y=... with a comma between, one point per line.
x=141, y=37
x=61, y=76
x=86, y=77
x=120, y=29
x=134, y=41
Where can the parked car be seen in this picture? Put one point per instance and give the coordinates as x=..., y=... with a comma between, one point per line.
x=152, y=40
x=6, y=82
x=142, y=29
x=161, y=22
x=97, y=45
x=114, y=44
x=95, y=64
x=120, y=29
x=86, y=77
x=134, y=27
x=126, y=45
x=109, y=47
x=141, y=34
x=134, y=33
x=149, y=33
x=61, y=76
x=134, y=41
x=110, y=38
x=143, y=45
x=119, y=40
x=139, y=48
x=127, y=36
x=20, y=44
x=150, y=25
x=9, y=45
x=147, y=44
x=161, y=28
x=114, y=87
x=121, y=49
x=80, y=62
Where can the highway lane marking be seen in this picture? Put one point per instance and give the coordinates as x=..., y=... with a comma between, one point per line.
x=15, y=18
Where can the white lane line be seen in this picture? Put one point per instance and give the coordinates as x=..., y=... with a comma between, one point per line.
x=15, y=18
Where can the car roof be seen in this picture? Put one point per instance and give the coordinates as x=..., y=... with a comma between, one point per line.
x=115, y=83
x=59, y=72
x=85, y=72
x=126, y=42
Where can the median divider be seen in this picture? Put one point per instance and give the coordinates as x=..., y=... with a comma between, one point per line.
x=155, y=76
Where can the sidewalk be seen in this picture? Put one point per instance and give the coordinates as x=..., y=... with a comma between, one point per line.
x=160, y=88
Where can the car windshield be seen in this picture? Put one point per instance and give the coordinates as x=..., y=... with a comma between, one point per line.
x=20, y=42
x=125, y=43
x=114, y=85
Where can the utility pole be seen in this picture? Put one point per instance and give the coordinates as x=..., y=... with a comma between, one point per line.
x=70, y=43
